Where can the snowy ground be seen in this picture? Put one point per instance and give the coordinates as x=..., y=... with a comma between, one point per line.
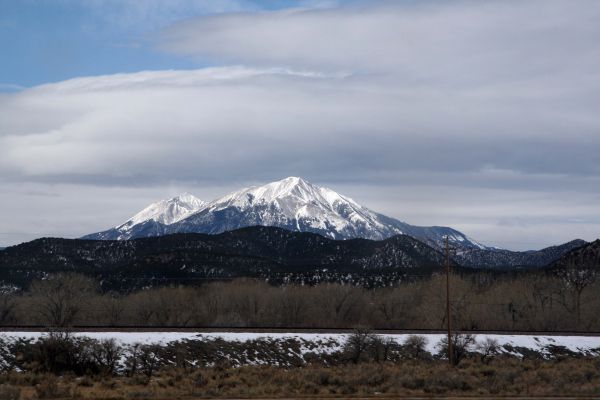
x=329, y=342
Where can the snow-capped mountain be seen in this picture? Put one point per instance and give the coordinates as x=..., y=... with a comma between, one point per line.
x=152, y=220
x=293, y=204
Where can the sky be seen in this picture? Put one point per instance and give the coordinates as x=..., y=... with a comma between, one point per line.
x=480, y=115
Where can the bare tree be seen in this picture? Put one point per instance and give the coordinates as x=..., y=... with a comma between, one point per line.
x=462, y=344
x=293, y=304
x=381, y=347
x=111, y=310
x=415, y=345
x=106, y=353
x=7, y=308
x=173, y=306
x=142, y=307
x=392, y=306
x=357, y=344
x=340, y=302
x=60, y=299
x=149, y=359
x=576, y=276
x=488, y=348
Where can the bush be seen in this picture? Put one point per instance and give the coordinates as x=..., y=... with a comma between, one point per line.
x=106, y=353
x=462, y=344
x=8, y=392
x=415, y=346
x=59, y=352
x=49, y=389
x=144, y=359
x=488, y=348
x=149, y=359
x=357, y=343
x=381, y=348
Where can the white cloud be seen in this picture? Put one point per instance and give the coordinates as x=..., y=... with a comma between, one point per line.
x=232, y=119
x=449, y=43
x=493, y=103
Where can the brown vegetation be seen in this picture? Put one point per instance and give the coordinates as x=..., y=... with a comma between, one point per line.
x=66, y=367
x=536, y=302
x=500, y=377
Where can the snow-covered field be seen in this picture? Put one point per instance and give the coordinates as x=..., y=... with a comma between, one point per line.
x=330, y=342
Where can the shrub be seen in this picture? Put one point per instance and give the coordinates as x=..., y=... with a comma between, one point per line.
x=60, y=352
x=488, y=348
x=144, y=359
x=357, y=344
x=462, y=344
x=9, y=392
x=415, y=346
x=49, y=389
x=106, y=353
x=381, y=348
x=149, y=359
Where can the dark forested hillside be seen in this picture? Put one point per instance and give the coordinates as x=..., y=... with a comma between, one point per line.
x=583, y=257
x=273, y=254
x=506, y=259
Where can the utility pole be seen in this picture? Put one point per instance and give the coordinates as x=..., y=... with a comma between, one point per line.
x=448, y=301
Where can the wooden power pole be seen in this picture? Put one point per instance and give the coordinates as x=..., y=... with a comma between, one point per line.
x=448, y=301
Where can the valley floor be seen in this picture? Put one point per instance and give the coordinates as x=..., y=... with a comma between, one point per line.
x=189, y=365
x=507, y=378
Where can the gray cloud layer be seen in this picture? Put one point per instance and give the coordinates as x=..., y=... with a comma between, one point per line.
x=482, y=115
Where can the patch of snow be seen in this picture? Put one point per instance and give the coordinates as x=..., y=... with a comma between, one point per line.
x=166, y=211
x=329, y=342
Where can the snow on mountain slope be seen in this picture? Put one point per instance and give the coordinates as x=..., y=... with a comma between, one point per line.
x=291, y=203
x=168, y=211
x=153, y=217
x=297, y=205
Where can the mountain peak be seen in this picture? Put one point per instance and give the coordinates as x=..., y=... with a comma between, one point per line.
x=275, y=193
x=294, y=204
x=188, y=199
x=185, y=195
x=291, y=203
x=291, y=186
x=167, y=211
x=294, y=180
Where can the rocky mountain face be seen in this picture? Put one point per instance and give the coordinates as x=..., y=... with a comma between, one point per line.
x=293, y=204
x=273, y=254
x=506, y=259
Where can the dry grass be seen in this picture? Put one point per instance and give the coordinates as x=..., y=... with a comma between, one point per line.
x=501, y=377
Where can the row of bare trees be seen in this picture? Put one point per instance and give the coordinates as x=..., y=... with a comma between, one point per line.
x=559, y=302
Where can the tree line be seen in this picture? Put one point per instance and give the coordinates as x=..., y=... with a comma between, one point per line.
x=562, y=301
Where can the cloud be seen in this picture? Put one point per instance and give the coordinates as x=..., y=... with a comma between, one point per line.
x=233, y=121
x=485, y=101
x=449, y=43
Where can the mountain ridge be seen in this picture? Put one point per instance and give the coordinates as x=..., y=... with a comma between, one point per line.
x=294, y=204
x=268, y=253
x=585, y=257
x=271, y=254
x=502, y=259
